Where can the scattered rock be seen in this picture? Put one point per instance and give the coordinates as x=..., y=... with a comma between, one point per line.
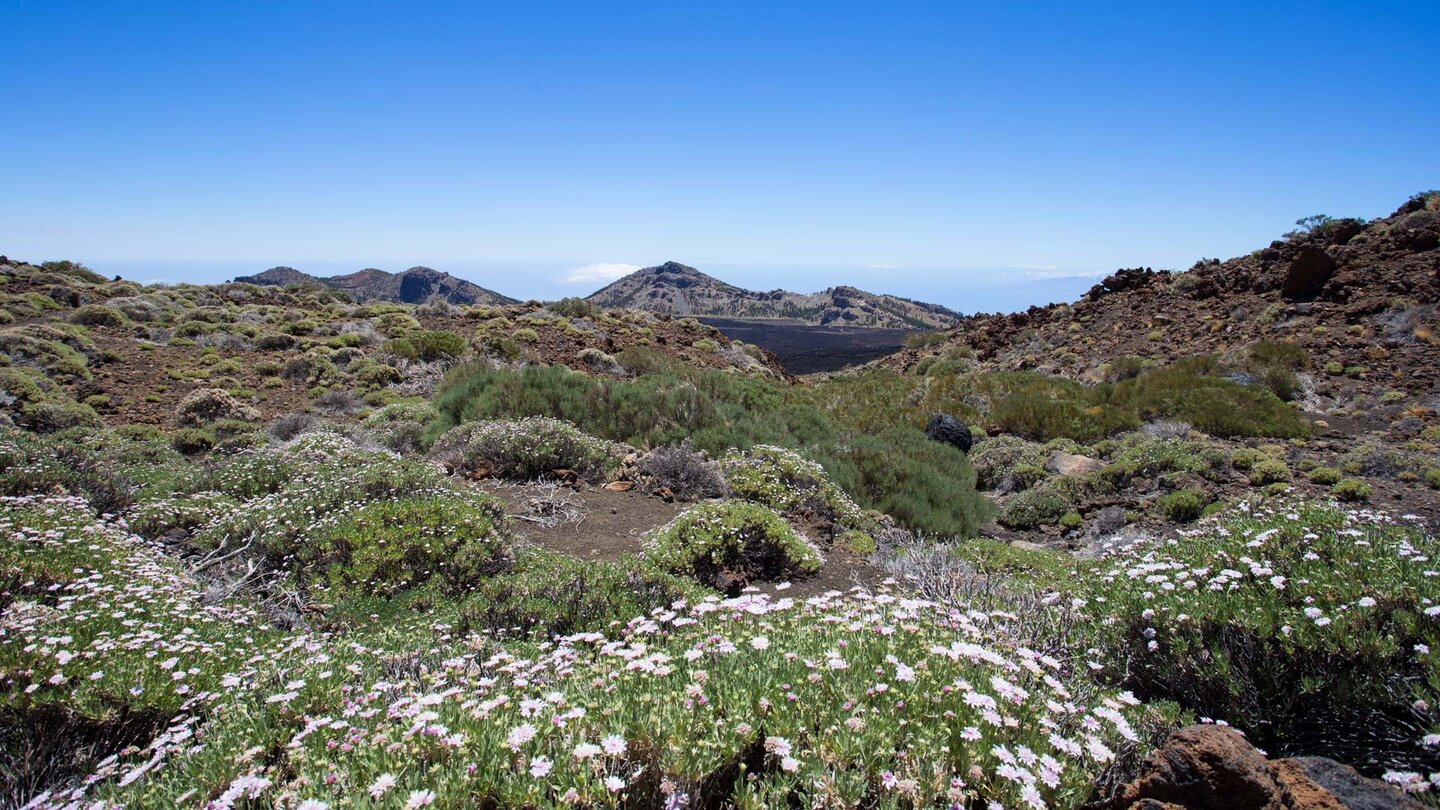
x=1344, y=783
x=1207, y=767
x=945, y=428
x=1071, y=464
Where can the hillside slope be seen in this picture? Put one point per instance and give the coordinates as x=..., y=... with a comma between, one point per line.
x=413, y=286
x=1359, y=298
x=678, y=289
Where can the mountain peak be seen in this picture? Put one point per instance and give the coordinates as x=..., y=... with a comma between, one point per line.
x=679, y=289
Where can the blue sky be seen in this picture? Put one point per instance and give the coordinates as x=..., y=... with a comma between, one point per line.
x=985, y=156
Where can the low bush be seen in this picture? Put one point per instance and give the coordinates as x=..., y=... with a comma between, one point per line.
x=1183, y=506
x=548, y=595
x=41, y=465
x=389, y=545
x=207, y=405
x=1033, y=508
x=1000, y=458
x=428, y=346
x=684, y=472
x=527, y=448
x=98, y=315
x=794, y=486
x=1269, y=471
x=1325, y=476
x=184, y=513
x=1351, y=490
x=399, y=427
x=52, y=417
x=727, y=544
x=573, y=308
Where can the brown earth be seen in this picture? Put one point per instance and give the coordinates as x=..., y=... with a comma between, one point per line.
x=594, y=523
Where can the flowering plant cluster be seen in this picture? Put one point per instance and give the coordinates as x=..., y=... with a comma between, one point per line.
x=848, y=699
x=793, y=485
x=1294, y=621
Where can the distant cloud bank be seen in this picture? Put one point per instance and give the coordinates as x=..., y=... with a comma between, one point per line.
x=598, y=273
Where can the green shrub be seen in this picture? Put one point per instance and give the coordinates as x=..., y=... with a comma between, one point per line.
x=313, y=482
x=1351, y=490
x=389, y=545
x=527, y=448
x=997, y=458
x=1269, y=471
x=925, y=485
x=428, y=346
x=549, y=594
x=51, y=417
x=98, y=315
x=1033, y=508
x=1432, y=477
x=728, y=543
x=1325, y=476
x=155, y=518
x=1183, y=506
x=191, y=441
x=573, y=308
x=1071, y=520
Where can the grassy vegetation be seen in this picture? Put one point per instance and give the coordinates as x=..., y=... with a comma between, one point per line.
x=927, y=486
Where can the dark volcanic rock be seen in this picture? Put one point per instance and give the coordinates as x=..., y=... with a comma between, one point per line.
x=1215, y=768
x=945, y=428
x=1307, y=274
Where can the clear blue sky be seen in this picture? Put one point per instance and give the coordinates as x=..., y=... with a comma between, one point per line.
x=964, y=153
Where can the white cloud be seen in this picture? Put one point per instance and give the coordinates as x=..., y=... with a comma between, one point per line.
x=598, y=273
x=882, y=267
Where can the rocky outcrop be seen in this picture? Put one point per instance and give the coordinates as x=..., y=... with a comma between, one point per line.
x=676, y=289
x=1208, y=767
x=945, y=428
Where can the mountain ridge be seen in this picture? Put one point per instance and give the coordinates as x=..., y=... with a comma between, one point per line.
x=1335, y=288
x=678, y=289
x=413, y=286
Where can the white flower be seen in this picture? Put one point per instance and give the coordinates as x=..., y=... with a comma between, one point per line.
x=520, y=735
x=382, y=783
x=760, y=643
x=540, y=767
x=614, y=784
x=420, y=798
x=586, y=751
x=614, y=745
x=779, y=746
x=312, y=804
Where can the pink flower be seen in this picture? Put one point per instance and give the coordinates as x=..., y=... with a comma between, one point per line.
x=382, y=783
